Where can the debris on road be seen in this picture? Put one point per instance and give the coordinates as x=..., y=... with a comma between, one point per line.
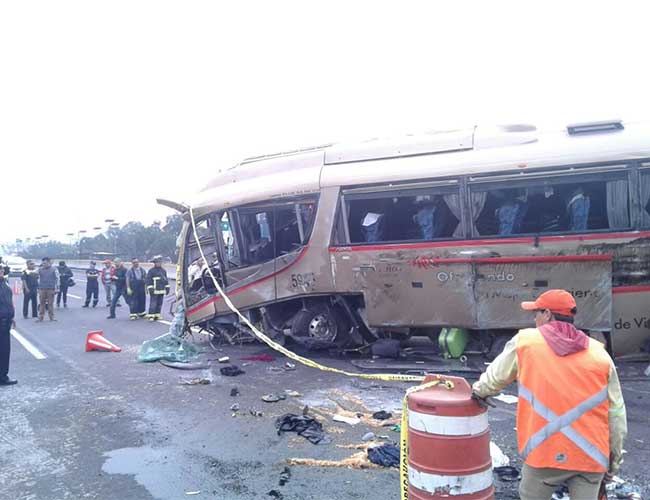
x=506, y=398
x=368, y=436
x=386, y=348
x=184, y=366
x=190, y=493
x=264, y=358
x=234, y=392
x=231, y=371
x=166, y=347
x=224, y=359
x=304, y=426
x=273, y=398
x=291, y=393
x=275, y=494
x=382, y=415
x=256, y=413
x=289, y=366
x=499, y=459
x=194, y=381
x=346, y=420
x=234, y=407
x=386, y=455
x=507, y=473
x=285, y=475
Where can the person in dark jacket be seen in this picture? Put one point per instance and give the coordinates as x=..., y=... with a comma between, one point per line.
x=30, y=289
x=158, y=287
x=6, y=323
x=119, y=282
x=65, y=274
x=92, y=284
x=135, y=289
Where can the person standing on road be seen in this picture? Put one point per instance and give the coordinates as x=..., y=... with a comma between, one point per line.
x=119, y=286
x=135, y=289
x=65, y=275
x=571, y=418
x=107, y=280
x=6, y=324
x=92, y=284
x=30, y=289
x=158, y=286
x=48, y=286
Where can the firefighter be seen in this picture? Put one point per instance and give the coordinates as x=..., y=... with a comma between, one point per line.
x=135, y=289
x=30, y=289
x=158, y=287
x=92, y=284
x=571, y=420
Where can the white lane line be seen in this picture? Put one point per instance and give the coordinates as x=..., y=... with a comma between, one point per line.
x=28, y=345
x=74, y=296
x=165, y=322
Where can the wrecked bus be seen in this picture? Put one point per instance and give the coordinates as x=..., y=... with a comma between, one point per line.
x=394, y=238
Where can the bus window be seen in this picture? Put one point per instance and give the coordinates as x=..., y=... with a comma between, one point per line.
x=645, y=198
x=546, y=206
x=294, y=223
x=195, y=280
x=413, y=215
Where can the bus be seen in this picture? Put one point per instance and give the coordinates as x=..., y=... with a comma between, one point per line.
x=346, y=243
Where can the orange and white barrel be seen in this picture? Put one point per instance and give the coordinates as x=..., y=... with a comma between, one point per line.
x=449, y=444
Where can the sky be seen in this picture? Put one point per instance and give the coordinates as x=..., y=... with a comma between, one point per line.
x=105, y=106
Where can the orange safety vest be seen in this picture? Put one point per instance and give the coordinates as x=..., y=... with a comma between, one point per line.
x=563, y=410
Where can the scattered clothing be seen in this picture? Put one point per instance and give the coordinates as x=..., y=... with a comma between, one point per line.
x=231, y=371
x=386, y=455
x=265, y=358
x=304, y=426
x=382, y=415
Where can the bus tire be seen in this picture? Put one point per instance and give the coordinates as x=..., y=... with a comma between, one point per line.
x=321, y=324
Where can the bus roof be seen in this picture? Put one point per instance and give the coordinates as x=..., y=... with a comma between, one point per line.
x=474, y=151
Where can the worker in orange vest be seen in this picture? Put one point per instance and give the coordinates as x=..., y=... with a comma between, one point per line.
x=571, y=420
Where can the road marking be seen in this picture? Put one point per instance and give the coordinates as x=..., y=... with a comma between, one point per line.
x=74, y=296
x=28, y=345
x=165, y=322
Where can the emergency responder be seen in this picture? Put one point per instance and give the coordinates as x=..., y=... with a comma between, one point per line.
x=571, y=420
x=119, y=285
x=30, y=289
x=107, y=280
x=48, y=286
x=135, y=289
x=158, y=287
x=92, y=284
x=6, y=323
x=65, y=275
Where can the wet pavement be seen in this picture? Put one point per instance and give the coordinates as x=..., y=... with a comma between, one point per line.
x=102, y=426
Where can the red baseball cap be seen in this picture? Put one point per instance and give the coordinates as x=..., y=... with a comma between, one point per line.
x=557, y=301
x=107, y=261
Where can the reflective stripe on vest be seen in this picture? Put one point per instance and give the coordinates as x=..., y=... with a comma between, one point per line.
x=562, y=423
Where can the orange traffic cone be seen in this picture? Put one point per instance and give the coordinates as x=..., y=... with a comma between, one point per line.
x=95, y=341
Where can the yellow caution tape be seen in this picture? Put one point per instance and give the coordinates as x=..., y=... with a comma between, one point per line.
x=387, y=377
x=404, y=434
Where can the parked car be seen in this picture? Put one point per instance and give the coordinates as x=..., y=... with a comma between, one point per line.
x=16, y=265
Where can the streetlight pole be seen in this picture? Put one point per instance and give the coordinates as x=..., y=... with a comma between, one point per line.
x=79, y=233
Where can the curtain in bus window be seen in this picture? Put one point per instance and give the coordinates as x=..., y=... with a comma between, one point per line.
x=477, y=200
x=454, y=204
x=617, y=203
x=645, y=199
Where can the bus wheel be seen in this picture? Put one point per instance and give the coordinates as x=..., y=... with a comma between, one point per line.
x=322, y=324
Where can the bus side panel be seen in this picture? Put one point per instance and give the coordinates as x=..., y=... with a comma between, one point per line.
x=631, y=319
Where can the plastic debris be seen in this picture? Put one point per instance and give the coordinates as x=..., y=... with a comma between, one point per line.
x=346, y=420
x=499, y=459
x=368, y=436
x=194, y=381
x=293, y=394
x=289, y=366
x=396, y=428
x=189, y=493
x=182, y=365
x=225, y=359
x=273, y=398
x=382, y=415
x=304, y=426
x=231, y=371
x=386, y=455
x=167, y=347
x=506, y=398
x=234, y=407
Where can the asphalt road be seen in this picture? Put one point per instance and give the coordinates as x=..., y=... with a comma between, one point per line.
x=101, y=425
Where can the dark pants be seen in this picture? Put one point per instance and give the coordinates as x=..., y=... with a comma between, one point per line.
x=155, y=303
x=63, y=291
x=92, y=290
x=117, y=293
x=27, y=298
x=138, y=298
x=5, y=347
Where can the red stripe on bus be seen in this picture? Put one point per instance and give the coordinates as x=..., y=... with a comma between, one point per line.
x=513, y=260
x=631, y=289
x=495, y=241
x=252, y=283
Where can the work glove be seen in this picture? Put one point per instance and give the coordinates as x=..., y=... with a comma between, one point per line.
x=483, y=402
x=129, y=291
